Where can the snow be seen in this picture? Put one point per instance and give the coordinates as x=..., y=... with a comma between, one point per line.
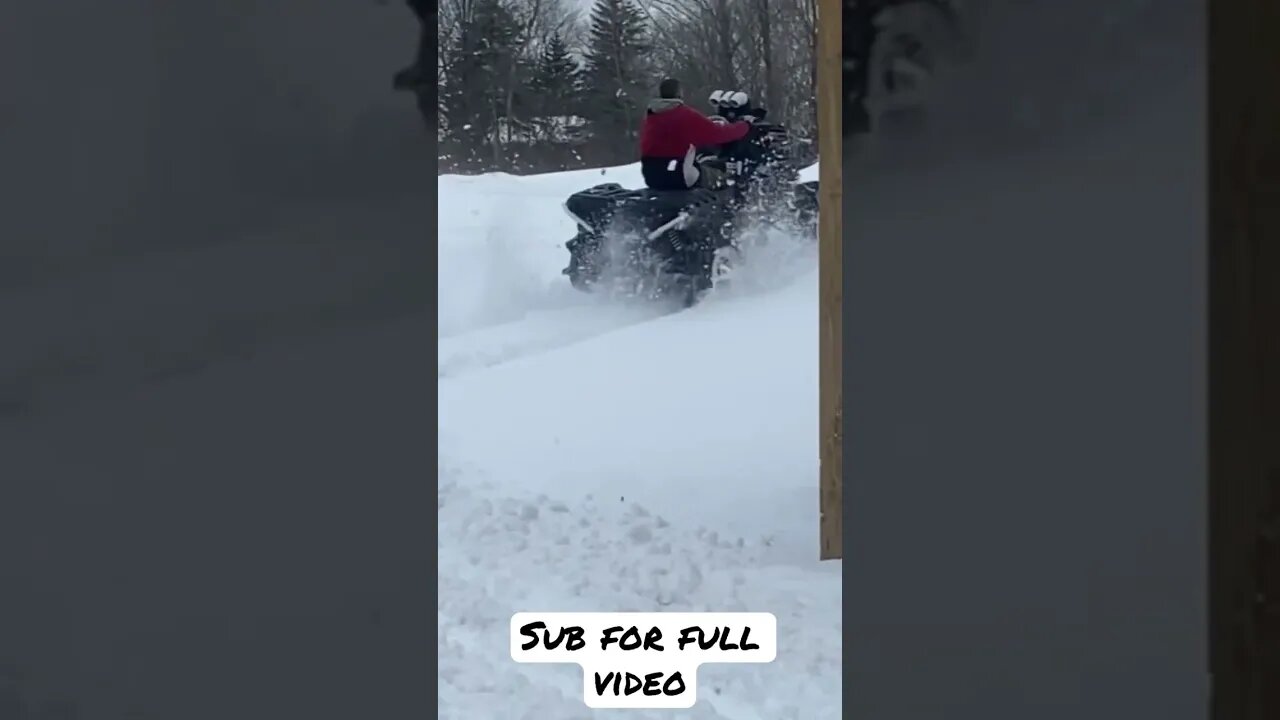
x=608, y=458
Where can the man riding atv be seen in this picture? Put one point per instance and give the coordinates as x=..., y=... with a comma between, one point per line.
x=680, y=236
x=671, y=135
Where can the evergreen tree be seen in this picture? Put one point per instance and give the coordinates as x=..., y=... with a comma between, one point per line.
x=556, y=73
x=554, y=86
x=616, y=76
x=473, y=94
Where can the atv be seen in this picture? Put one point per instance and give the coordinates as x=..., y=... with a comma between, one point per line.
x=678, y=244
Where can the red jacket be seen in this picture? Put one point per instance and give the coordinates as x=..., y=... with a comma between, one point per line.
x=670, y=127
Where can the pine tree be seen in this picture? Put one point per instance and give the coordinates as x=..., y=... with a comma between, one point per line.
x=473, y=96
x=554, y=84
x=616, y=77
x=557, y=70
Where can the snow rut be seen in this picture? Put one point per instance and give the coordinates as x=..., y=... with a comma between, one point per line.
x=538, y=332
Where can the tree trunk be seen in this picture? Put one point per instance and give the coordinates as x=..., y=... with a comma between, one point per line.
x=727, y=74
x=772, y=93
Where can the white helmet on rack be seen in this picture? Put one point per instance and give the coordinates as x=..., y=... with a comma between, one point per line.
x=730, y=99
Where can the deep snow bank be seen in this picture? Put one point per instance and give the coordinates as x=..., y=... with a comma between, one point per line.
x=602, y=457
x=501, y=244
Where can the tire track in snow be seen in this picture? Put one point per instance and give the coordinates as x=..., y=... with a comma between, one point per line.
x=538, y=332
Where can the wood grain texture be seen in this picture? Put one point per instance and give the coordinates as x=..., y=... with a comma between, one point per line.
x=830, y=280
x=1244, y=358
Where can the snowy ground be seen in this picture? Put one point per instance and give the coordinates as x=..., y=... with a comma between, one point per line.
x=608, y=458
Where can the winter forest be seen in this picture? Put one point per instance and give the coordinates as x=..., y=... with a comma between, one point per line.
x=546, y=85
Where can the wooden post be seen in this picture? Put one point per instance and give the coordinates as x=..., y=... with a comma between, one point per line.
x=830, y=280
x=1244, y=359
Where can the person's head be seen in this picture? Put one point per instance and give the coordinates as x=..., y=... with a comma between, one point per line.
x=669, y=89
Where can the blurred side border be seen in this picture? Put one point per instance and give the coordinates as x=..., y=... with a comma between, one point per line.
x=1244, y=359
